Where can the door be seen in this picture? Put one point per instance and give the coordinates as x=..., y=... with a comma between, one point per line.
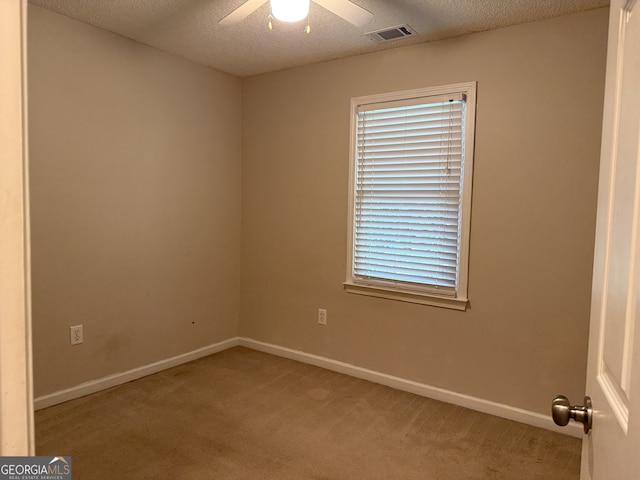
x=16, y=403
x=612, y=449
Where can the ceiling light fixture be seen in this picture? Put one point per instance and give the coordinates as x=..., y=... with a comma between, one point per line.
x=290, y=10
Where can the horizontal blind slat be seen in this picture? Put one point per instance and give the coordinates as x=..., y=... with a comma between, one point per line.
x=418, y=280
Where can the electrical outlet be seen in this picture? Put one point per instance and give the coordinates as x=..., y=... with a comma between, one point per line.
x=322, y=316
x=75, y=335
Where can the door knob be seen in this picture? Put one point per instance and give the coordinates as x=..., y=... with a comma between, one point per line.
x=562, y=411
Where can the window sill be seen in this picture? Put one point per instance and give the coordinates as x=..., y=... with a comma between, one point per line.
x=406, y=296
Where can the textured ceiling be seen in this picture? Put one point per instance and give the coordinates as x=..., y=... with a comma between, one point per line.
x=189, y=28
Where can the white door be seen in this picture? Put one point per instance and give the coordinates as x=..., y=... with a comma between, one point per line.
x=612, y=450
x=16, y=402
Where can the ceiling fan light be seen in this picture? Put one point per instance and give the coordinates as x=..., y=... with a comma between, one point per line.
x=290, y=10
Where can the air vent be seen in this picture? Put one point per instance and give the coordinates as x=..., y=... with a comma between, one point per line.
x=393, y=33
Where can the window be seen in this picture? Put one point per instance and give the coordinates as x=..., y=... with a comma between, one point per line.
x=410, y=195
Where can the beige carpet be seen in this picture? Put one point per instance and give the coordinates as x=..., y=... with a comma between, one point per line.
x=242, y=414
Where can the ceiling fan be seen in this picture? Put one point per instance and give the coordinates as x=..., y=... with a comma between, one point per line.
x=295, y=10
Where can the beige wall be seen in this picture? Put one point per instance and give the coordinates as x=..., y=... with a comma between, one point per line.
x=135, y=178
x=137, y=190
x=524, y=338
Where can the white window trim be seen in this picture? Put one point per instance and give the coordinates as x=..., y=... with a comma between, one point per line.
x=393, y=292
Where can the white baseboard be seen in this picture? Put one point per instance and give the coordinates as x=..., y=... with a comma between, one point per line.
x=116, y=379
x=473, y=403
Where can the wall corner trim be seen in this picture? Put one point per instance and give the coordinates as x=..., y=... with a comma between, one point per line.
x=485, y=406
x=116, y=379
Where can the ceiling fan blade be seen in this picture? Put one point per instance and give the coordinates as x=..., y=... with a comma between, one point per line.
x=242, y=12
x=351, y=12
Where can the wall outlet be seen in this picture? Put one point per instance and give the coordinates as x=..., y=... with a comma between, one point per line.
x=75, y=335
x=322, y=316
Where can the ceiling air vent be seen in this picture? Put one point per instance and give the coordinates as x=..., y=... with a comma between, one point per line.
x=393, y=33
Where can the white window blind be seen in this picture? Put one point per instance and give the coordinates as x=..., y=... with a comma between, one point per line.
x=408, y=193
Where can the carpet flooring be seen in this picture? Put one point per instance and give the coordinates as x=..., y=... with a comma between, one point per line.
x=242, y=414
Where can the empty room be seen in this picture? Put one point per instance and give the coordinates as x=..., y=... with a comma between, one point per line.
x=368, y=241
